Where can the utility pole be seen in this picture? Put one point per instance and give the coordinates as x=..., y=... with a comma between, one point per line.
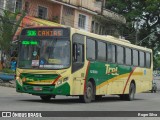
x=103, y=6
x=137, y=31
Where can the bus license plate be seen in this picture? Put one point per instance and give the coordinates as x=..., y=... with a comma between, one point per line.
x=37, y=88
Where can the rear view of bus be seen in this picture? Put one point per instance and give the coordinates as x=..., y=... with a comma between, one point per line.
x=44, y=62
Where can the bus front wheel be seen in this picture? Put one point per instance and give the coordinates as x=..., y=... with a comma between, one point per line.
x=88, y=95
x=45, y=97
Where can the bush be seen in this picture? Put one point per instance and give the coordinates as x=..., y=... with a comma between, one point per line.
x=8, y=70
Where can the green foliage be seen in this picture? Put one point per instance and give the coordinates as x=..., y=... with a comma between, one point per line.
x=143, y=21
x=8, y=27
x=8, y=70
x=156, y=62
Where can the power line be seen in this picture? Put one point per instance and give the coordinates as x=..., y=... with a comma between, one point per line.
x=140, y=42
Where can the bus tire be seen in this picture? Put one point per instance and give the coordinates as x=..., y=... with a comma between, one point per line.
x=88, y=95
x=45, y=97
x=131, y=94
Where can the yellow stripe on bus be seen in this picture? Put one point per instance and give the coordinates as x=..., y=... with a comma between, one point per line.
x=117, y=78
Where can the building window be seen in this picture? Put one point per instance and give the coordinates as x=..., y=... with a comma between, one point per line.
x=18, y=5
x=42, y=12
x=100, y=30
x=26, y=7
x=96, y=28
x=93, y=27
x=103, y=31
x=68, y=11
x=82, y=21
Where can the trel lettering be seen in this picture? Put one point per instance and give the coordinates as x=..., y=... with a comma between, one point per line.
x=111, y=70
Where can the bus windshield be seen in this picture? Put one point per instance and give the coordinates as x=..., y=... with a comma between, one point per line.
x=44, y=54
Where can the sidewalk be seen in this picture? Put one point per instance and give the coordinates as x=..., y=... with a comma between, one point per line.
x=7, y=80
x=11, y=83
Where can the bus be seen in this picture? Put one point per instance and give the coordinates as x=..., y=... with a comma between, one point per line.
x=66, y=61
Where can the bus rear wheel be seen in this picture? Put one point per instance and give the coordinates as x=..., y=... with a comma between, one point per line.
x=88, y=95
x=45, y=97
x=131, y=94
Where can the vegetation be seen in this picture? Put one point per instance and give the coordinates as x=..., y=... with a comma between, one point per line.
x=9, y=23
x=8, y=70
x=143, y=22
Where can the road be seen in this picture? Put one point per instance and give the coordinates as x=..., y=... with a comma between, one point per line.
x=10, y=100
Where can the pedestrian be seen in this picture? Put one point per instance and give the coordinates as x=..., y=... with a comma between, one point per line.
x=13, y=64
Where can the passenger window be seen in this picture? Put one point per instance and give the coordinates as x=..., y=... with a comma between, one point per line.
x=120, y=55
x=141, y=61
x=128, y=56
x=148, y=60
x=135, y=57
x=101, y=51
x=91, y=49
x=111, y=52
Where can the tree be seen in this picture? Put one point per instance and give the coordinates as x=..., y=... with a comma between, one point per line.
x=8, y=27
x=143, y=19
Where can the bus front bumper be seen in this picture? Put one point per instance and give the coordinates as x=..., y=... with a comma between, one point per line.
x=64, y=89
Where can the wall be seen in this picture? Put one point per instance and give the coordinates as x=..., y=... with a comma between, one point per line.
x=92, y=5
x=68, y=15
x=53, y=8
x=89, y=20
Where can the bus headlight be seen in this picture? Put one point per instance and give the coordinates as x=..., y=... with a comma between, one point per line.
x=24, y=79
x=65, y=79
x=60, y=81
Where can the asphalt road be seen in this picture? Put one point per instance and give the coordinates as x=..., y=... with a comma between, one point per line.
x=10, y=100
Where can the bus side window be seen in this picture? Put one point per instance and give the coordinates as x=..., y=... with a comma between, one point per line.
x=77, y=52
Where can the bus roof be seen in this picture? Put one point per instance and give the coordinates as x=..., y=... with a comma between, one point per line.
x=111, y=39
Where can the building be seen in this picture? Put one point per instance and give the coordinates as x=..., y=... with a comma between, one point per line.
x=7, y=5
x=89, y=15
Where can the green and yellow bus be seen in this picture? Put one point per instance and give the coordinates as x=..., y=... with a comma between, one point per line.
x=66, y=61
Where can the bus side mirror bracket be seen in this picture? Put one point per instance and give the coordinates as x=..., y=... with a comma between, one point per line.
x=76, y=51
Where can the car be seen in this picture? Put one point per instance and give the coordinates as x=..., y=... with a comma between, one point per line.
x=154, y=87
